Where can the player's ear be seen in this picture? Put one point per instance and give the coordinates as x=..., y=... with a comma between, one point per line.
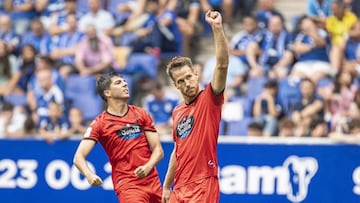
x=107, y=93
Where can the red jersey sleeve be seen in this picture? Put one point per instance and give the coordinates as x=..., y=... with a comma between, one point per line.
x=148, y=122
x=93, y=131
x=217, y=99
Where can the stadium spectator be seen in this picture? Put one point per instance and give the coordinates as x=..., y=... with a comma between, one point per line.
x=240, y=41
x=101, y=19
x=286, y=128
x=77, y=123
x=338, y=26
x=226, y=7
x=12, y=120
x=319, y=10
x=318, y=128
x=122, y=10
x=18, y=84
x=60, y=23
x=310, y=47
x=352, y=136
x=267, y=109
x=271, y=56
x=49, y=10
x=55, y=126
x=7, y=65
x=354, y=109
x=309, y=107
x=235, y=76
x=157, y=33
x=21, y=12
x=255, y=129
x=38, y=37
x=188, y=13
x=94, y=53
x=161, y=105
x=64, y=50
x=341, y=98
x=8, y=35
x=352, y=50
x=46, y=86
x=266, y=9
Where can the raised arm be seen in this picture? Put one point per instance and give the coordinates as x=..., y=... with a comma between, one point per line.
x=80, y=162
x=222, y=51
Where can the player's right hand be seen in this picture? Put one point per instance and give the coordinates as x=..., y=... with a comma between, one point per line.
x=94, y=180
x=166, y=195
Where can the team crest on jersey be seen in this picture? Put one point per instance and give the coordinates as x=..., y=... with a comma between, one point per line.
x=184, y=127
x=130, y=131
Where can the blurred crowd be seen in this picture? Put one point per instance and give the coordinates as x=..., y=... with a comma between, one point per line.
x=299, y=80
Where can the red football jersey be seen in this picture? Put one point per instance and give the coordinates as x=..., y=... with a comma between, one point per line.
x=124, y=141
x=196, y=131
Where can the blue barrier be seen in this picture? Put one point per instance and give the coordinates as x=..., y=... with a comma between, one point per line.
x=250, y=171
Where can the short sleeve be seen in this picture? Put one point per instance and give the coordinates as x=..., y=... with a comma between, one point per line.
x=216, y=99
x=93, y=131
x=148, y=123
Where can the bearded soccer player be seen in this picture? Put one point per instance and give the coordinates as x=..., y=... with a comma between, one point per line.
x=128, y=135
x=193, y=167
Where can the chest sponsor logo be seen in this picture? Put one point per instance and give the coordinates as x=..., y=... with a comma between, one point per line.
x=184, y=127
x=129, y=132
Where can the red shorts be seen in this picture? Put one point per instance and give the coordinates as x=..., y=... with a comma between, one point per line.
x=141, y=193
x=202, y=191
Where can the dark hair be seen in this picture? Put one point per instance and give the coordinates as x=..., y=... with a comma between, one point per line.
x=256, y=126
x=286, y=123
x=337, y=85
x=103, y=83
x=47, y=59
x=354, y=123
x=176, y=63
x=252, y=17
x=316, y=122
x=5, y=61
x=7, y=106
x=271, y=84
x=308, y=80
x=340, y=3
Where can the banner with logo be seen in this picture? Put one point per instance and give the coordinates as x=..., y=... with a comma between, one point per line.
x=34, y=171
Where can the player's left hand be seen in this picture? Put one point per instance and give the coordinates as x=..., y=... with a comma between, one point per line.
x=142, y=171
x=213, y=18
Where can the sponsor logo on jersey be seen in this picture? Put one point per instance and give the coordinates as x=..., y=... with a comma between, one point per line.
x=130, y=131
x=184, y=127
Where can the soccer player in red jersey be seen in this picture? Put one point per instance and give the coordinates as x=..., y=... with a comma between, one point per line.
x=130, y=140
x=193, y=166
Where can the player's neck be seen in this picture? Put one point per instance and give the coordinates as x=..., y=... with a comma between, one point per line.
x=117, y=108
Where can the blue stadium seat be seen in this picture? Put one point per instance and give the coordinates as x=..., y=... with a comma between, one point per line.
x=81, y=93
x=90, y=106
x=16, y=99
x=289, y=94
x=238, y=128
x=255, y=86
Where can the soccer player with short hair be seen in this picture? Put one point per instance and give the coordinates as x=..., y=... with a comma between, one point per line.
x=193, y=167
x=130, y=140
